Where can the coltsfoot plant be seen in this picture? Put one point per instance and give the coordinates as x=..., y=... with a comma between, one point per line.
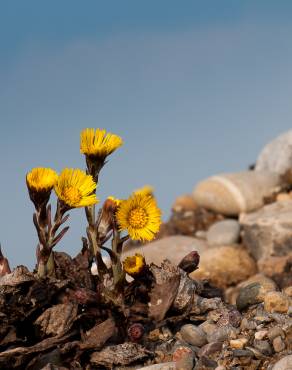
x=117, y=220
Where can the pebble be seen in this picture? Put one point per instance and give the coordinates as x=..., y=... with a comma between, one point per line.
x=238, y=343
x=225, y=265
x=222, y=334
x=276, y=331
x=249, y=295
x=193, y=335
x=231, y=317
x=184, y=358
x=208, y=327
x=276, y=302
x=233, y=193
x=284, y=364
x=247, y=324
x=263, y=346
x=259, y=335
x=278, y=344
x=224, y=232
x=210, y=348
x=242, y=353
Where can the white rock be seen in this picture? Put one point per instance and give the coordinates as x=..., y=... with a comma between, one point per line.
x=233, y=193
x=267, y=232
x=174, y=248
x=276, y=156
x=224, y=232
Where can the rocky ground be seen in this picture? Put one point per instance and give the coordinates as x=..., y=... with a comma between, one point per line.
x=233, y=312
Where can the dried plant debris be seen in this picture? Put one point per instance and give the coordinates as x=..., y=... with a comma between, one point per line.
x=121, y=354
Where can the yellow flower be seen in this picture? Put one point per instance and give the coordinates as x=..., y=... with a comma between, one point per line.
x=75, y=188
x=145, y=190
x=140, y=216
x=98, y=143
x=134, y=265
x=41, y=179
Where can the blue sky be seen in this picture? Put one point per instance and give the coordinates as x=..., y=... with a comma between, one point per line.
x=193, y=87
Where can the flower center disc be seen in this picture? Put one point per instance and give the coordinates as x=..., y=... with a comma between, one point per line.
x=138, y=218
x=73, y=195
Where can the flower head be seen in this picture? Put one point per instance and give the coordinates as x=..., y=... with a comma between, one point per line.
x=41, y=179
x=75, y=188
x=140, y=216
x=98, y=143
x=145, y=190
x=134, y=265
x=40, y=182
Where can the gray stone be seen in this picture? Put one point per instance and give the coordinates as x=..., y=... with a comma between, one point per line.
x=284, y=364
x=263, y=346
x=276, y=156
x=233, y=193
x=210, y=348
x=222, y=334
x=251, y=294
x=193, y=335
x=208, y=327
x=224, y=232
x=242, y=353
x=267, y=232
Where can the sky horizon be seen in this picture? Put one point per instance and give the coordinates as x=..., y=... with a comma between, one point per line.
x=194, y=89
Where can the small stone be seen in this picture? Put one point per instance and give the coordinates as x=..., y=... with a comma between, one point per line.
x=184, y=202
x=223, y=333
x=208, y=327
x=210, y=348
x=230, y=317
x=276, y=331
x=263, y=346
x=238, y=343
x=284, y=363
x=247, y=324
x=184, y=358
x=224, y=232
x=205, y=362
x=278, y=344
x=193, y=335
x=259, y=335
x=276, y=302
x=251, y=294
x=242, y=353
x=279, y=268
